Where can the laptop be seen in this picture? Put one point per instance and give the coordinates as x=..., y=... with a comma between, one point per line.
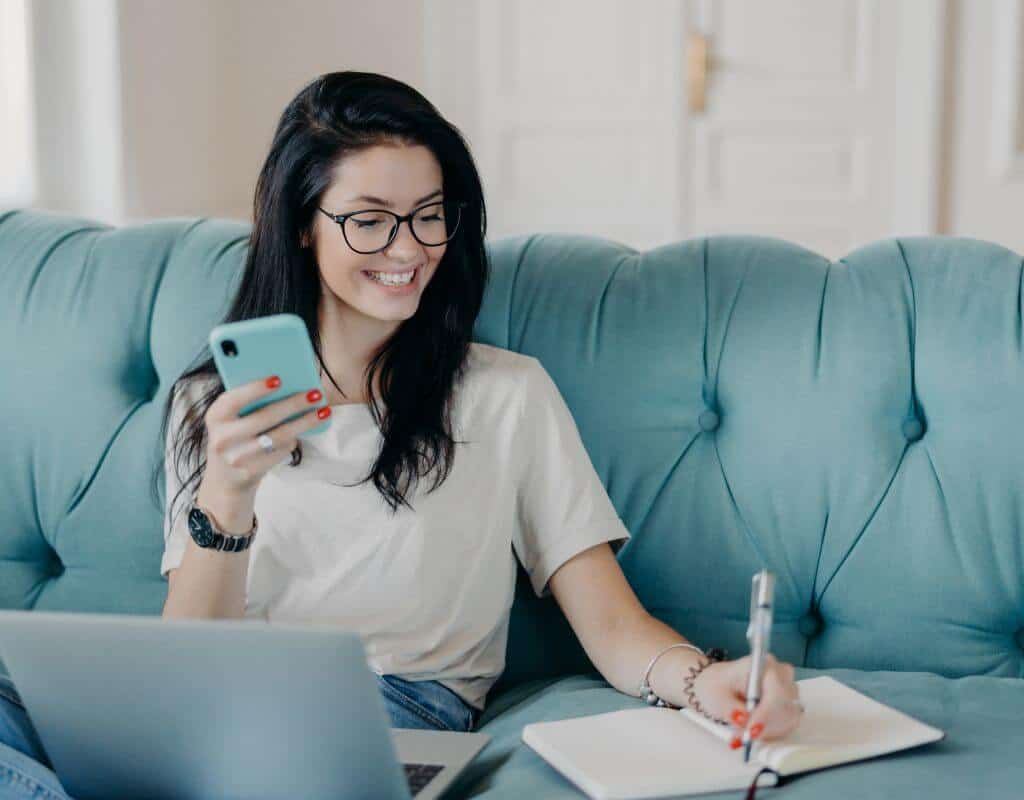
x=133, y=706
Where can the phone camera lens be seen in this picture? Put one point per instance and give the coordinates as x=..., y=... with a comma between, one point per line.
x=228, y=346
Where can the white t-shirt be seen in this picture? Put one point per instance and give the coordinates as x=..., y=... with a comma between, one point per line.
x=428, y=590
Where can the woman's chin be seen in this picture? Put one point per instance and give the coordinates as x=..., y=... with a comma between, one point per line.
x=389, y=311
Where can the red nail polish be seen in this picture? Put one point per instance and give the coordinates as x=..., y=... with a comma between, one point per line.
x=273, y=382
x=313, y=395
x=736, y=743
x=324, y=412
x=756, y=730
x=739, y=716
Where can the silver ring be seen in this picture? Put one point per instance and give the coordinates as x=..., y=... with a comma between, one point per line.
x=266, y=443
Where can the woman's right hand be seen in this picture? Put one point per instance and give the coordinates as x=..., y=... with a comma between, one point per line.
x=235, y=462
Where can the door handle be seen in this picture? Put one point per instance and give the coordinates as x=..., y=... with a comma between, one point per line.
x=696, y=71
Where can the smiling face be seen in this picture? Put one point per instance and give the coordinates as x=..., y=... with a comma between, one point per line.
x=399, y=178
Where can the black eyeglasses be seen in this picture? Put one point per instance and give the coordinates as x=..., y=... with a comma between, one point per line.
x=372, y=230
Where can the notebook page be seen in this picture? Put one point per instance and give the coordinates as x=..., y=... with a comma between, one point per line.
x=842, y=725
x=839, y=725
x=639, y=753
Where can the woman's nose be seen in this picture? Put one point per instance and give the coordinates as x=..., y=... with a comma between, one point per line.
x=404, y=246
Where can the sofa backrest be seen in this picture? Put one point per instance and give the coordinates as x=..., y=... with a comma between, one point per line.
x=852, y=426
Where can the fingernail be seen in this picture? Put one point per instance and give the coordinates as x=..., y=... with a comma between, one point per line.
x=324, y=412
x=755, y=731
x=313, y=395
x=736, y=743
x=739, y=716
x=273, y=382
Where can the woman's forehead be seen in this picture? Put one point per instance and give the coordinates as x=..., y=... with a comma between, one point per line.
x=397, y=174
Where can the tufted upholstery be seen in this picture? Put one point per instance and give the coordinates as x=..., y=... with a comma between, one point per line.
x=853, y=425
x=96, y=325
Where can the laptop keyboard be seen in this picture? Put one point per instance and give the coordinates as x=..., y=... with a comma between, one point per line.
x=419, y=775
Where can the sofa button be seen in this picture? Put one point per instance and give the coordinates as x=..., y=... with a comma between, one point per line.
x=810, y=624
x=913, y=429
x=708, y=420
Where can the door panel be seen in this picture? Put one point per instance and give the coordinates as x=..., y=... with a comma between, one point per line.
x=579, y=117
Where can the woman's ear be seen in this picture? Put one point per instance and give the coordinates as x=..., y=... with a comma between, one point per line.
x=303, y=239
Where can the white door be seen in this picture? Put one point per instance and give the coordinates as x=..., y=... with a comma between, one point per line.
x=582, y=115
x=793, y=141
x=571, y=108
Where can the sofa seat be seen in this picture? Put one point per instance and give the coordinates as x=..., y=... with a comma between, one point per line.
x=979, y=757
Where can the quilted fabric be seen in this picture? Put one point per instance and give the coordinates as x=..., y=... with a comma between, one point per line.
x=851, y=425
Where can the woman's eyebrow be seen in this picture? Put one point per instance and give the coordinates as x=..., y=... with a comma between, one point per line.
x=371, y=199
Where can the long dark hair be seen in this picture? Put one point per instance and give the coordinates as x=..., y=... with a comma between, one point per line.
x=337, y=114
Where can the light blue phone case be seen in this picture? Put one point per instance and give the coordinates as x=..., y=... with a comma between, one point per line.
x=275, y=345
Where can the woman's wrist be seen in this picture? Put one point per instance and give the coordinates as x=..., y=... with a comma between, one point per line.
x=678, y=681
x=233, y=512
x=696, y=698
x=666, y=676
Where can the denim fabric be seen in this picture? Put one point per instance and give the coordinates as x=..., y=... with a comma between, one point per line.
x=24, y=768
x=425, y=704
x=26, y=773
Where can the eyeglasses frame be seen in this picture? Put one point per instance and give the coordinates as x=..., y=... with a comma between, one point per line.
x=399, y=219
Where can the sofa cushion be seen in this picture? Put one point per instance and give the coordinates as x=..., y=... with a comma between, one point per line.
x=980, y=756
x=95, y=324
x=852, y=425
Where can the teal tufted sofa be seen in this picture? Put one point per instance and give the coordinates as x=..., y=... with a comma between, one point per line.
x=855, y=426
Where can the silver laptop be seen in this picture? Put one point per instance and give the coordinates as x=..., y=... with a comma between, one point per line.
x=135, y=706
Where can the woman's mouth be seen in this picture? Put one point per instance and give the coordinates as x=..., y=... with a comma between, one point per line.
x=394, y=283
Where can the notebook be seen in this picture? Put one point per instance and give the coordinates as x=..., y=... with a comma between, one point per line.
x=654, y=752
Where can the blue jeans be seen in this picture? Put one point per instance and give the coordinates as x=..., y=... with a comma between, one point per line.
x=26, y=772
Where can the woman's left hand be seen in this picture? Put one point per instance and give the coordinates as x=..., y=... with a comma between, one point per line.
x=721, y=689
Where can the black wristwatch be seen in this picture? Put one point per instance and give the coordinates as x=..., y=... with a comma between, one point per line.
x=206, y=533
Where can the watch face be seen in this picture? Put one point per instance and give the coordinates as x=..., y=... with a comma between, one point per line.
x=199, y=525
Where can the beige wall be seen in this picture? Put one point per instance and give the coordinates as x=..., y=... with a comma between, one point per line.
x=203, y=85
x=158, y=108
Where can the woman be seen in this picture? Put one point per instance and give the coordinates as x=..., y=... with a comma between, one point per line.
x=369, y=224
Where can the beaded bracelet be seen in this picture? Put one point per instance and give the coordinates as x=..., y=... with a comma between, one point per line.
x=648, y=696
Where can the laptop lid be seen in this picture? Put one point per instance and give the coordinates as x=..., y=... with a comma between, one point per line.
x=135, y=706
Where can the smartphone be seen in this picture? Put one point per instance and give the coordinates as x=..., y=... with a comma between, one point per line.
x=257, y=348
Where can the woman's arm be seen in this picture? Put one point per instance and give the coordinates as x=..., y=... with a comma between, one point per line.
x=210, y=584
x=621, y=638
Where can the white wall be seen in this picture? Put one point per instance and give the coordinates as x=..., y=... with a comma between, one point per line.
x=986, y=168
x=78, y=134
x=17, y=162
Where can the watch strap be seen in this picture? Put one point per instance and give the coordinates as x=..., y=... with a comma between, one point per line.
x=219, y=539
x=231, y=544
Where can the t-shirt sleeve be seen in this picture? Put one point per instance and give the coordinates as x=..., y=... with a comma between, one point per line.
x=176, y=533
x=563, y=508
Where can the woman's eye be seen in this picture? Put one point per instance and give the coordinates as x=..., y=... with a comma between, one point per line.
x=431, y=218
x=362, y=224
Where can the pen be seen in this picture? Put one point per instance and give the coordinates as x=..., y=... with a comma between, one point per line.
x=759, y=632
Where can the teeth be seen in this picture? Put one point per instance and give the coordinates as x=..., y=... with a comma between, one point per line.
x=392, y=280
